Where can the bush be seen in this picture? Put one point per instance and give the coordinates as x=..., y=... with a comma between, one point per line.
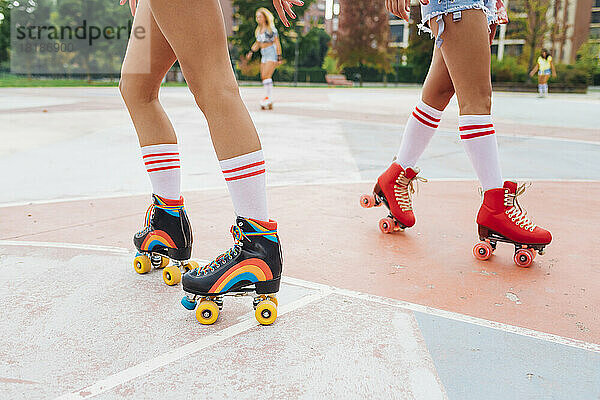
x=363, y=73
x=596, y=79
x=511, y=70
x=404, y=73
x=508, y=70
x=248, y=68
x=400, y=74
x=330, y=64
x=572, y=75
x=285, y=73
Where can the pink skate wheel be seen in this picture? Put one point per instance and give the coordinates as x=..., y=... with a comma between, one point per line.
x=482, y=251
x=367, y=201
x=386, y=225
x=523, y=258
x=532, y=251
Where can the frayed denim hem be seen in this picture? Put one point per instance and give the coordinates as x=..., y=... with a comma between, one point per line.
x=492, y=19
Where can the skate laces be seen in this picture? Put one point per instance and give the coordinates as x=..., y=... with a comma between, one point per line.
x=237, y=234
x=404, y=188
x=148, y=216
x=150, y=211
x=515, y=212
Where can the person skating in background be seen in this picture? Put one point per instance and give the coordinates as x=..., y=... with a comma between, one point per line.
x=463, y=31
x=195, y=36
x=544, y=67
x=267, y=40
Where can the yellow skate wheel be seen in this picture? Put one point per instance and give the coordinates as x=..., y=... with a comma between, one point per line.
x=273, y=299
x=164, y=262
x=171, y=275
x=142, y=264
x=191, y=265
x=207, y=312
x=266, y=312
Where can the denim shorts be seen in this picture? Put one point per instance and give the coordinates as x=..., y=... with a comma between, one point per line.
x=545, y=72
x=438, y=8
x=268, y=54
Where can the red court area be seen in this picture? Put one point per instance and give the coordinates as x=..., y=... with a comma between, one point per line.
x=328, y=238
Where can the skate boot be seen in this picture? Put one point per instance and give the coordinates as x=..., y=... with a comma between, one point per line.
x=167, y=235
x=394, y=188
x=252, y=265
x=501, y=219
x=266, y=104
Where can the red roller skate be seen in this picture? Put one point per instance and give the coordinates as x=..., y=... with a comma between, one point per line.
x=501, y=219
x=394, y=189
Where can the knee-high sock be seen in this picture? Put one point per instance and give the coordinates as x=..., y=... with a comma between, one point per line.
x=478, y=136
x=246, y=181
x=268, y=85
x=163, y=166
x=540, y=88
x=420, y=128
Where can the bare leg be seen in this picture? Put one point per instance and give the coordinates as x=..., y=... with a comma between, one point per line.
x=423, y=123
x=140, y=89
x=197, y=36
x=267, y=69
x=438, y=88
x=466, y=52
x=266, y=72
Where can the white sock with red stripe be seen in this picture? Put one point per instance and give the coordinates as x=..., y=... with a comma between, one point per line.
x=246, y=181
x=162, y=164
x=268, y=85
x=478, y=136
x=419, y=130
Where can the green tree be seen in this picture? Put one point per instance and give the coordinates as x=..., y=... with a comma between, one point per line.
x=420, y=47
x=313, y=48
x=58, y=51
x=588, y=59
x=4, y=31
x=363, y=35
x=245, y=11
x=537, y=26
x=104, y=55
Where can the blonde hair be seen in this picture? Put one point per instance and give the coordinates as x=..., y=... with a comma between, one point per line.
x=270, y=20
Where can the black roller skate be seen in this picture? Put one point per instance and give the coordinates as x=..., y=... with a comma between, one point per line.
x=167, y=235
x=252, y=265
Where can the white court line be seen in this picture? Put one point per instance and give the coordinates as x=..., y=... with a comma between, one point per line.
x=548, y=337
x=273, y=185
x=444, y=132
x=148, y=366
x=119, y=250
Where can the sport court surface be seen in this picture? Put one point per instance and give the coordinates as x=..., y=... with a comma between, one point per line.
x=362, y=314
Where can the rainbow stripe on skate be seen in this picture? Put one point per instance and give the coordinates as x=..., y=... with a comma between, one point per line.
x=162, y=204
x=252, y=270
x=157, y=238
x=260, y=230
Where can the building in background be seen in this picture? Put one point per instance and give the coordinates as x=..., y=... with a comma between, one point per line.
x=510, y=38
x=398, y=27
x=575, y=22
x=571, y=23
x=574, y=18
x=594, y=35
x=314, y=16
